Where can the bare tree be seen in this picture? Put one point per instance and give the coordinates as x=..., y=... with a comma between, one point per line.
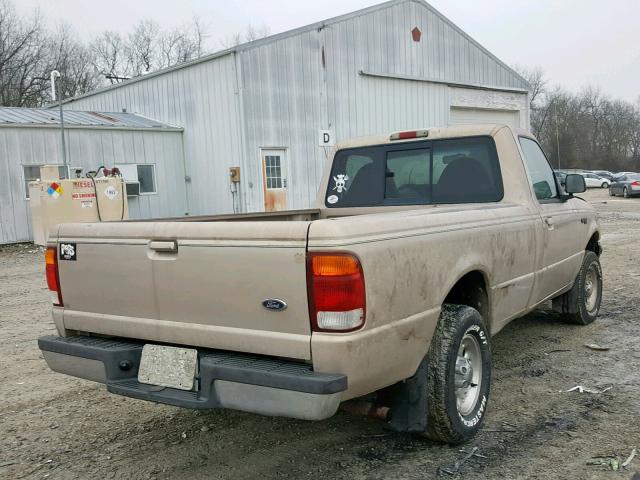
x=536, y=80
x=635, y=137
x=142, y=47
x=256, y=33
x=250, y=34
x=146, y=49
x=198, y=35
x=538, y=107
x=592, y=130
x=182, y=44
x=111, y=58
x=29, y=51
x=592, y=104
x=22, y=58
x=74, y=61
x=178, y=48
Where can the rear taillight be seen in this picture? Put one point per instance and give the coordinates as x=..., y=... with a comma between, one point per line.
x=53, y=280
x=635, y=184
x=336, y=292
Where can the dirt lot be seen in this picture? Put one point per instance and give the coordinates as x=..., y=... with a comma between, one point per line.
x=52, y=426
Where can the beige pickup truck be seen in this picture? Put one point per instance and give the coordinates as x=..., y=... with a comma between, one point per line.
x=422, y=246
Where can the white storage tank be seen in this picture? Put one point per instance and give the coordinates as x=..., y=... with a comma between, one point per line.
x=54, y=201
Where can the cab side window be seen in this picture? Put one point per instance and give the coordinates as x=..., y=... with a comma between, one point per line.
x=542, y=177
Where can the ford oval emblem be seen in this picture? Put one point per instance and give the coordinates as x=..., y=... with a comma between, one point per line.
x=274, y=304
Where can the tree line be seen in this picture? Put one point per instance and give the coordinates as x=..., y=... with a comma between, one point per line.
x=30, y=50
x=587, y=129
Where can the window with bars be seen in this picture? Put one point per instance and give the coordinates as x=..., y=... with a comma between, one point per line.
x=273, y=171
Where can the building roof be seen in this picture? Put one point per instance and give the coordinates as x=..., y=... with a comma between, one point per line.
x=39, y=117
x=297, y=31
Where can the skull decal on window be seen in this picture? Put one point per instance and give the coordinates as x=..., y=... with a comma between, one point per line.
x=340, y=181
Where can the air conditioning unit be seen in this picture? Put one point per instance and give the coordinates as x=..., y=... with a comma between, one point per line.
x=133, y=189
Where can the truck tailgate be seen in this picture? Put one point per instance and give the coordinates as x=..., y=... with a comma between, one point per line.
x=128, y=280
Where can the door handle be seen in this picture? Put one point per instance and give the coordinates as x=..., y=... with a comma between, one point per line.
x=549, y=222
x=164, y=246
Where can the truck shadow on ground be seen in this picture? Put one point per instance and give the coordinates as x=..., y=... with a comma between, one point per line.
x=531, y=356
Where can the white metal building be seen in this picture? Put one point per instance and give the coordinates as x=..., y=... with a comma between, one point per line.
x=274, y=107
x=30, y=137
x=262, y=105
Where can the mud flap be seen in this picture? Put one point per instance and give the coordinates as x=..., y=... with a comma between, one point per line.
x=567, y=302
x=408, y=402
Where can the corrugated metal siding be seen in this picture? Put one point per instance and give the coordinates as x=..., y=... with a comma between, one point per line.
x=278, y=93
x=381, y=42
x=88, y=149
x=202, y=99
x=282, y=108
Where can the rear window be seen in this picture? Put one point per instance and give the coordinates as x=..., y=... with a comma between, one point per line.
x=462, y=170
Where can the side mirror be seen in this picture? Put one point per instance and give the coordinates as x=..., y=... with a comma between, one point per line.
x=574, y=183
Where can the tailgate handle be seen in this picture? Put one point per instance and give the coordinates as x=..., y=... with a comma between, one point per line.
x=164, y=246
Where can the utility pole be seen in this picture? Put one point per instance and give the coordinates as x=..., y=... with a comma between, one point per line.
x=555, y=109
x=56, y=74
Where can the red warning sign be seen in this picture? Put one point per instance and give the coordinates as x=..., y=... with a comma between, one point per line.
x=82, y=196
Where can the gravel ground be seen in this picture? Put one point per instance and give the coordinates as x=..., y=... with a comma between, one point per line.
x=53, y=426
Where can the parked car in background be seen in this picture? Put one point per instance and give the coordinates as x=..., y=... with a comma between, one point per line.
x=626, y=185
x=622, y=174
x=594, y=181
x=604, y=174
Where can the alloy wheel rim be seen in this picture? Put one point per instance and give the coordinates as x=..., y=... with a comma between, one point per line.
x=468, y=374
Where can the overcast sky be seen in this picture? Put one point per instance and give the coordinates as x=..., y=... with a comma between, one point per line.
x=576, y=42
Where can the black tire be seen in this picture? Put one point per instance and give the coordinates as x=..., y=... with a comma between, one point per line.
x=611, y=194
x=575, y=305
x=625, y=192
x=445, y=422
x=604, y=185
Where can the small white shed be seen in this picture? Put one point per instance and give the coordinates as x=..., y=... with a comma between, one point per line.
x=148, y=150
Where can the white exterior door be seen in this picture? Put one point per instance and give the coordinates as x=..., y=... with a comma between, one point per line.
x=274, y=179
x=465, y=116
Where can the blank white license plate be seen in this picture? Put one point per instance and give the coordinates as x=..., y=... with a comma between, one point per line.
x=168, y=366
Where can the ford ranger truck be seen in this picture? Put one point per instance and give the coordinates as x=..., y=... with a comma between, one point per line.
x=423, y=244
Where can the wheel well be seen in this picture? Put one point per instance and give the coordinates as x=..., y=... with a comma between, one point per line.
x=594, y=244
x=471, y=290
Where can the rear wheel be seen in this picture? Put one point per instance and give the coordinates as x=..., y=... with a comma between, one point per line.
x=581, y=304
x=604, y=185
x=459, y=375
x=625, y=192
